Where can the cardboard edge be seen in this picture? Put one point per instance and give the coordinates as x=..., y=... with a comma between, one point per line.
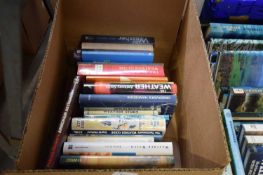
x=42, y=66
x=212, y=83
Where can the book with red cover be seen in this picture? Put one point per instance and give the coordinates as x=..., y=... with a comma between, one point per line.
x=126, y=79
x=61, y=133
x=142, y=70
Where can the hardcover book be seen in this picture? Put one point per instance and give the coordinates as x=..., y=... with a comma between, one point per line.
x=255, y=164
x=143, y=70
x=119, y=149
x=233, y=31
x=239, y=68
x=110, y=138
x=232, y=11
x=249, y=129
x=251, y=140
x=246, y=100
x=251, y=150
x=165, y=102
x=61, y=134
x=109, y=162
x=233, y=143
x=119, y=124
x=129, y=88
x=121, y=111
x=125, y=79
x=117, y=39
x=108, y=56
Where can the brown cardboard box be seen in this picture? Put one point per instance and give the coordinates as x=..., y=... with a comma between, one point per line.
x=200, y=132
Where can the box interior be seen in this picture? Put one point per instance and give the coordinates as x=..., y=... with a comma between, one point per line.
x=200, y=135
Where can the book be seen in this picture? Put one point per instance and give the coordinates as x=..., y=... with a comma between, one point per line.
x=121, y=111
x=119, y=124
x=143, y=70
x=83, y=138
x=255, y=164
x=61, y=133
x=129, y=88
x=130, y=116
x=117, y=39
x=125, y=79
x=116, y=46
x=119, y=149
x=216, y=45
x=233, y=143
x=232, y=11
x=232, y=31
x=251, y=140
x=246, y=100
x=252, y=149
x=239, y=68
x=109, y=56
x=249, y=129
x=109, y=162
x=165, y=102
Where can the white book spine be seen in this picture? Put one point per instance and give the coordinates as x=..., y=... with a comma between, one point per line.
x=120, y=148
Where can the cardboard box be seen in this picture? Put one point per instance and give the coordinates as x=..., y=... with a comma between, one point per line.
x=200, y=132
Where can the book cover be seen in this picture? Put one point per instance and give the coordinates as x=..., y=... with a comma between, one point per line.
x=109, y=162
x=232, y=11
x=239, y=68
x=233, y=143
x=255, y=164
x=117, y=39
x=232, y=31
x=119, y=149
x=248, y=100
x=110, y=138
x=119, y=124
x=64, y=124
x=129, y=88
x=108, y=56
x=116, y=46
x=143, y=70
x=165, y=102
x=125, y=79
x=121, y=111
x=252, y=149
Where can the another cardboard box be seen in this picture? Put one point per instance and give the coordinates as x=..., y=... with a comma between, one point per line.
x=200, y=132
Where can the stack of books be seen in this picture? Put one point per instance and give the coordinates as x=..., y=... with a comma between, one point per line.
x=236, y=59
x=126, y=104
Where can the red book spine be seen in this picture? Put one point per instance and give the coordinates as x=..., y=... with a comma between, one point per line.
x=61, y=133
x=142, y=70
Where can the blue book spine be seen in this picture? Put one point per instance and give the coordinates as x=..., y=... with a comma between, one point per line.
x=233, y=143
x=117, y=39
x=117, y=56
x=252, y=149
x=241, y=31
x=165, y=102
x=255, y=164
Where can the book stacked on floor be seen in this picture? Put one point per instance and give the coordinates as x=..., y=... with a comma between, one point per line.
x=127, y=103
x=236, y=60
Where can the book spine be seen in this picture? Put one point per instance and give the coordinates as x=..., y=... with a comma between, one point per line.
x=116, y=46
x=118, y=133
x=233, y=143
x=129, y=124
x=130, y=117
x=60, y=135
x=90, y=56
x=119, y=149
x=110, y=138
x=129, y=88
x=108, y=162
x=143, y=70
x=165, y=102
x=255, y=164
x=117, y=39
x=121, y=111
x=123, y=79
